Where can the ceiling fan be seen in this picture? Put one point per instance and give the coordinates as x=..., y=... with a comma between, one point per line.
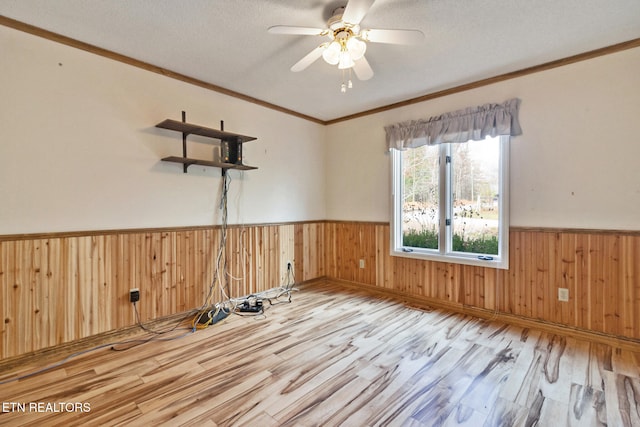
x=347, y=40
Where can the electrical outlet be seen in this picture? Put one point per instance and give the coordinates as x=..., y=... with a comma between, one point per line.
x=563, y=294
x=134, y=295
x=361, y=263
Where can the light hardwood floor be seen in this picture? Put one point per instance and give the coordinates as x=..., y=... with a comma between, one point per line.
x=337, y=356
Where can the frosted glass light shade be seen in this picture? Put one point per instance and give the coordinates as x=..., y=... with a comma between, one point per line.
x=332, y=53
x=345, y=60
x=356, y=48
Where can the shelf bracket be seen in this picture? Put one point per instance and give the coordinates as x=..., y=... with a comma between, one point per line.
x=223, y=171
x=184, y=143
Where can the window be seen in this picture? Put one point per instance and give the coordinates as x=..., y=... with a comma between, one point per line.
x=450, y=202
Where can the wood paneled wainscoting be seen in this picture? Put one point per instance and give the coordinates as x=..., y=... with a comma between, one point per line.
x=62, y=287
x=601, y=269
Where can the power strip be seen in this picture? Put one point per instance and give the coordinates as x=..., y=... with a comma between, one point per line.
x=250, y=306
x=209, y=318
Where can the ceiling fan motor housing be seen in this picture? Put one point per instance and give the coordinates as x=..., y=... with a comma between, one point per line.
x=335, y=22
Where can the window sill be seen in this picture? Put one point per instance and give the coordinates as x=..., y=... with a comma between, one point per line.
x=497, y=262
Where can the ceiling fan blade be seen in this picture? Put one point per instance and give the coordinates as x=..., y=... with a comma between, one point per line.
x=393, y=36
x=309, y=59
x=362, y=69
x=286, y=29
x=356, y=10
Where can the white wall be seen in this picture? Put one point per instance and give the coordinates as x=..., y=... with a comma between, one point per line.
x=79, y=150
x=577, y=164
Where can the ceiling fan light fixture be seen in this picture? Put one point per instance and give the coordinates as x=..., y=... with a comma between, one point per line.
x=345, y=60
x=356, y=48
x=331, y=54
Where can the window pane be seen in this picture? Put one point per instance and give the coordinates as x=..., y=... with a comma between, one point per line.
x=475, y=183
x=420, y=213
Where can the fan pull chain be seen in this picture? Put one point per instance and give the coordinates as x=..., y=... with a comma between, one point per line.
x=348, y=85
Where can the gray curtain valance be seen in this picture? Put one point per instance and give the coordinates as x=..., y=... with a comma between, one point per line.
x=473, y=123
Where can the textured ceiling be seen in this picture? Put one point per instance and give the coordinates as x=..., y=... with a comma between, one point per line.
x=225, y=42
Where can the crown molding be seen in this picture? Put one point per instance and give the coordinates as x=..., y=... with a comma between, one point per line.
x=49, y=35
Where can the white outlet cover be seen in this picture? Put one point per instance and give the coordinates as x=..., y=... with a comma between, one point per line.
x=563, y=294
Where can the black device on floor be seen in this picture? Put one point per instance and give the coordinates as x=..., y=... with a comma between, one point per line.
x=251, y=305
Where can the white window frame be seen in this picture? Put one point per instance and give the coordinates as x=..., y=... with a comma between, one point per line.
x=445, y=253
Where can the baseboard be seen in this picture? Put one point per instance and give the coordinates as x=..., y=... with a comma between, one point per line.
x=59, y=352
x=554, y=328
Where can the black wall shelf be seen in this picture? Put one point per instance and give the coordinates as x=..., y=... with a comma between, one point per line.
x=231, y=145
